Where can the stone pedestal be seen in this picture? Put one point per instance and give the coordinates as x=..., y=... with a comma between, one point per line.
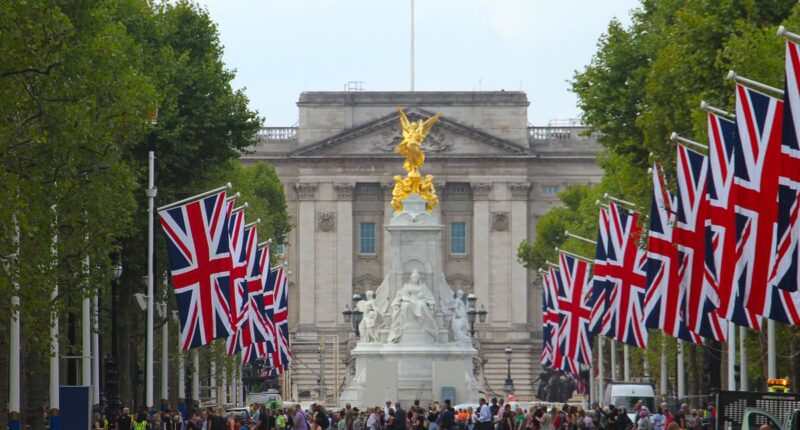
x=417, y=366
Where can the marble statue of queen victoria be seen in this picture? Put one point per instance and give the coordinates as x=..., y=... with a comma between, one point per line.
x=412, y=309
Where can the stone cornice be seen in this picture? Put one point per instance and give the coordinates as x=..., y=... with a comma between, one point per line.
x=306, y=190
x=413, y=114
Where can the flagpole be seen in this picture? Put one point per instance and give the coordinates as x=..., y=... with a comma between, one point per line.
x=54, y=352
x=771, y=362
x=743, y=371
x=412, y=45
x=14, y=350
x=151, y=198
x=675, y=137
x=716, y=111
x=227, y=186
x=731, y=357
x=181, y=368
x=755, y=84
x=601, y=374
x=86, y=335
x=164, y=352
x=95, y=348
x=613, y=347
x=680, y=376
x=783, y=32
x=664, y=373
x=196, y=376
x=626, y=362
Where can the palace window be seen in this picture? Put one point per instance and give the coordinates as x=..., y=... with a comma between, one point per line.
x=549, y=190
x=458, y=238
x=367, y=238
x=279, y=249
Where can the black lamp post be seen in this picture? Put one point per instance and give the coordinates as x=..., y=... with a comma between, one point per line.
x=354, y=315
x=321, y=379
x=472, y=313
x=509, y=385
x=112, y=373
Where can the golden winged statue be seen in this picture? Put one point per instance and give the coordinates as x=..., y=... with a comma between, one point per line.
x=414, y=133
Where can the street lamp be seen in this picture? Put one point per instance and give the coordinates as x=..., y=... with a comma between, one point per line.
x=354, y=315
x=112, y=374
x=509, y=385
x=472, y=312
x=321, y=379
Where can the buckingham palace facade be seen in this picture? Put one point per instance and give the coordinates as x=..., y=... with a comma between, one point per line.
x=495, y=176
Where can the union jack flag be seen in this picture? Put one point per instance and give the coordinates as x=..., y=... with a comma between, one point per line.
x=200, y=262
x=690, y=236
x=664, y=298
x=549, y=316
x=238, y=272
x=720, y=261
x=785, y=273
x=254, y=351
x=575, y=309
x=254, y=326
x=600, y=285
x=757, y=167
x=268, y=278
x=282, y=317
x=626, y=269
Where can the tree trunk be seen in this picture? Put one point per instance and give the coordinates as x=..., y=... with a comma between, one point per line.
x=36, y=384
x=794, y=346
x=764, y=358
x=4, y=364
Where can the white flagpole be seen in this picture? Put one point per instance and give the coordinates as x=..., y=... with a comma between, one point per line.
x=613, y=347
x=95, y=349
x=731, y=357
x=680, y=384
x=14, y=368
x=151, y=197
x=225, y=384
x=181, y=368
x=196, y=376
x=213, y=379
x=771, y=361
x=743, y=373
x=626, y=362
x=664, y=374
x=165, y=353
x=601, y=373
x=54, y=352
x=412, y=45
x=86, y=338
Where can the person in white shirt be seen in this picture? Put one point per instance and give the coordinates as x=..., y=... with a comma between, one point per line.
x=374, y=421
x=484, y=415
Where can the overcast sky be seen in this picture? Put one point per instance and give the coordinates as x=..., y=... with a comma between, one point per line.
x=280, y=48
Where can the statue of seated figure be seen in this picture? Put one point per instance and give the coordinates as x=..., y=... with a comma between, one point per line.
x=412, y=308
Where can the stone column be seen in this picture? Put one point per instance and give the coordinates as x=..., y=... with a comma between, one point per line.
x=344, y=245
x=480, y=241
x=306, y=195
x=519, y=274
x=388, y=213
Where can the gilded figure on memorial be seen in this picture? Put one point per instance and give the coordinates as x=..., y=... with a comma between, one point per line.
x=414, y=133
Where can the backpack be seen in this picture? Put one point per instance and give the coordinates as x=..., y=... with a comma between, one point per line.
x=322, y=420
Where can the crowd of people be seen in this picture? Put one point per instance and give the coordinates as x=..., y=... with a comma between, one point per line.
x=492, y=415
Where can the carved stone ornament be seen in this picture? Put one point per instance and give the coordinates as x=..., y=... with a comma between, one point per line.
x=435, y=142
x=500, y=221
x=344, y=191
x=480, y=191
x=519, y=191
x=326, y=221
x=306, y=190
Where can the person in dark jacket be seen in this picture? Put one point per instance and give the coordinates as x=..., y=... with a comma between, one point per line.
x=399, y=417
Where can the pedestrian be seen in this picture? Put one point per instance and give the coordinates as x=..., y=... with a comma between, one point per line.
x=399, y=417
x=484, y=415
x=216, y=420
x=644, y=422
x=446, y=420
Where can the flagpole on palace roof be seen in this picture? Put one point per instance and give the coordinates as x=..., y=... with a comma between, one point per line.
x=412, y=45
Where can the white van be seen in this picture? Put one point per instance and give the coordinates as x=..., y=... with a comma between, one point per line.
x=626, y=394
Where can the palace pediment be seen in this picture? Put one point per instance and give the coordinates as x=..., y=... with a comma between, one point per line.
x=380, y=137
